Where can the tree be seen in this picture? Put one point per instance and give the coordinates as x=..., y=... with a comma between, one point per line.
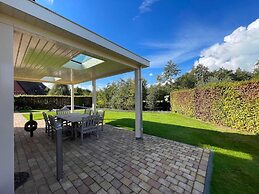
x=201, y=74
x=120, y=94
x=82, y=92
x=104, y=95
x=187, y=80
x=221, y=75
x=241, y=75
x=144, y=89
x=156, y=95
x=171, y=70
x=124, y=96
x=256, y=71
x=59, y=89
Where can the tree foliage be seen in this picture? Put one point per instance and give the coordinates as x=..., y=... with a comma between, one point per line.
x=256, y=71
x=59, y=89
x=171, y=70
x=156, y=97
x=200, y=76
x=120, y=94
x=187, y=80
x=82, y=92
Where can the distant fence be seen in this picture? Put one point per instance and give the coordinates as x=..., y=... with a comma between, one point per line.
x=231, y=104
x=27, y=102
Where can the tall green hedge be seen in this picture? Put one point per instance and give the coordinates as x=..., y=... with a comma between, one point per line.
x=234, y=104
x=48, y=102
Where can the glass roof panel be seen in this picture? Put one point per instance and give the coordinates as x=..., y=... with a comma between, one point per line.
x=81, y=62
x=73, y=65
x=91, y=62
x=50, y=79
x=81, y=58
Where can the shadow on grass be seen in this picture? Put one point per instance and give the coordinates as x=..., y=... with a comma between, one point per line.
x=196, y=136
x=236, y=158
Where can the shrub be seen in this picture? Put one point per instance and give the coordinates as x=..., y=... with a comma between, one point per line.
x=27, y=102
x=232, y=104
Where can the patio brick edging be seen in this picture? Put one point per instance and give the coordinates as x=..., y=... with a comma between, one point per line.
x=209, y=173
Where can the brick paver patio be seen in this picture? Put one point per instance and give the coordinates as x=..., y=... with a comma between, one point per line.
x=115, y=163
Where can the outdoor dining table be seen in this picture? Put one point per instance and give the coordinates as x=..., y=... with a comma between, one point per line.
x=74, y=118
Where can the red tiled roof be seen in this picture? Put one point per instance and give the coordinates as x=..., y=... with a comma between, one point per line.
x=18, y=89
x=30, y=88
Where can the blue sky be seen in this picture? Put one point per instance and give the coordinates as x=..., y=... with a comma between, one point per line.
x=160, y=30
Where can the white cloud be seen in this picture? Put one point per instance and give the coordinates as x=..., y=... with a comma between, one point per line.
x=240, y=49
x=187, y=44
x=50, y=2
x=145, y=7
x=46, y=3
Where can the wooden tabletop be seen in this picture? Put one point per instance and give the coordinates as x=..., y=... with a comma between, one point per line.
x=72, y=117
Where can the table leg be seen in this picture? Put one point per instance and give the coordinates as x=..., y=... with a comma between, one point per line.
x=74, y=126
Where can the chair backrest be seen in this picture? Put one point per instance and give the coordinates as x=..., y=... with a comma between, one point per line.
x=55, y=124
x=64, y=108
x=90, y=122
x=62, y=112
x=51, y=120
x=88, y=111
x=45, y=117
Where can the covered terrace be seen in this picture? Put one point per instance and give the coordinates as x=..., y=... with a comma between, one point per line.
x=40, y=46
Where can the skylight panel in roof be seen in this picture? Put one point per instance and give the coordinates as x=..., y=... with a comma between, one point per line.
x=91, y=62
x=81, y=62
x=50, y=79
x=81, y=58
x=73, y=65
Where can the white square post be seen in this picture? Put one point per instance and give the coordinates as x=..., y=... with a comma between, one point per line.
x=6, y=110
x=72, y=106
x=138, y=105
x=94, y=96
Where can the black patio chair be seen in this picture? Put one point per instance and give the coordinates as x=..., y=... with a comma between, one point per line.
x=47, y=123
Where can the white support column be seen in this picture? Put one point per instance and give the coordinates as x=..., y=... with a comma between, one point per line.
x=72, y=98
x=138, y=105
x=94, y=96
x=6, y=110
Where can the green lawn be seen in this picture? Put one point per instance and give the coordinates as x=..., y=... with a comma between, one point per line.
x=236, y=154
x=37, y=114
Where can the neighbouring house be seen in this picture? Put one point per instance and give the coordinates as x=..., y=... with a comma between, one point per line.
x=29, y=88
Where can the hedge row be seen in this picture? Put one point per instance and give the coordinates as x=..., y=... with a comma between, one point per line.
x=231, y=104
x=27, y=102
